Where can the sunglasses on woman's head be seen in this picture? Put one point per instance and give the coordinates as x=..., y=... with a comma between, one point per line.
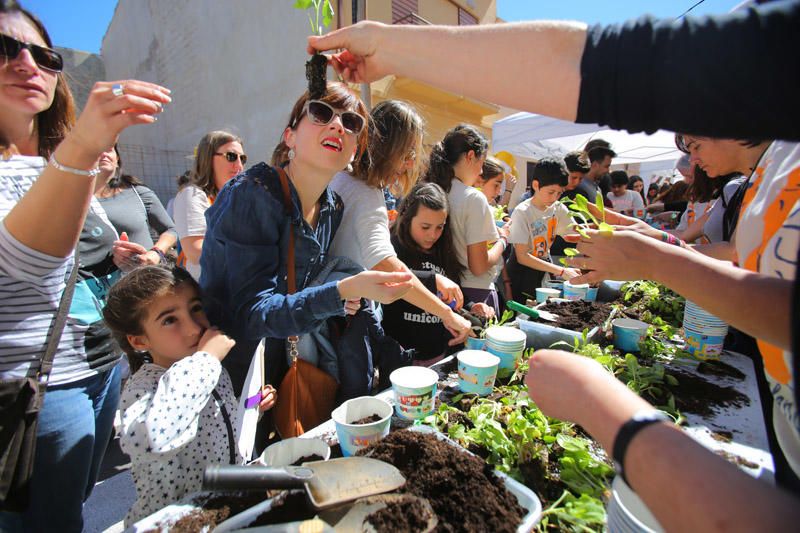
x=322, y=114
x=230, y=157
x=46, y=58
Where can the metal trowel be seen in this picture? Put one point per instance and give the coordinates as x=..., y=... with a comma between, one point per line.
x=354, y=519
x=327, y=483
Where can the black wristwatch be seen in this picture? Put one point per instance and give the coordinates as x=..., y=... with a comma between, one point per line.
x=628, y=431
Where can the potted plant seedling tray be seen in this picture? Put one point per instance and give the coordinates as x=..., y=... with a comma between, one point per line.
x=545, y=334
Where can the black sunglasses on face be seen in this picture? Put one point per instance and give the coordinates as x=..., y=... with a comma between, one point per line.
x=322, y=114
x=46, y=58
x=233, y=156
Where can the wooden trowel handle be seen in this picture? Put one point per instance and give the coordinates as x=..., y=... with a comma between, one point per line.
x=231, y=477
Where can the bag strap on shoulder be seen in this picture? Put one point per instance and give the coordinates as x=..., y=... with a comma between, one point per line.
x=57, y=327
x=291, y=281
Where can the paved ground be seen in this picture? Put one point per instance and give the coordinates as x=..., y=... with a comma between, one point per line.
x=113, y=494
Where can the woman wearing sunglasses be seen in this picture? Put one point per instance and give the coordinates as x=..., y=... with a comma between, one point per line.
x=219, y=158
x=395, y=135
x=47, y=177
x=247, y=241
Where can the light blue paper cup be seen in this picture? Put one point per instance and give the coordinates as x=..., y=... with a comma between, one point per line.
x=591, y=294
x=575, y=292
x=508, y=360
x=477, y=371
x=414, y=391
x=353, y=437
x=627, y=333
x=543, y=293
x=474, y=343
x=703, y=345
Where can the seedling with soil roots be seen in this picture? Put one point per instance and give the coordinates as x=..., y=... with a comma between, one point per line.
x=322, y=12
x=585, y=219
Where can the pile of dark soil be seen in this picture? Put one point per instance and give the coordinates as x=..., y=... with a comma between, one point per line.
x=462, y=489
x=367, y=420
x=215, y=510
x=289, y=506
x=718, y=368
x=400, y=517
x=577, y=315
x=693, y=394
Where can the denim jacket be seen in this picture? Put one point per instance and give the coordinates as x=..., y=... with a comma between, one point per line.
x=244, y=265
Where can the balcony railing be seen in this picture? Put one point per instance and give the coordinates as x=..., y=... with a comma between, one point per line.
x=413, y=18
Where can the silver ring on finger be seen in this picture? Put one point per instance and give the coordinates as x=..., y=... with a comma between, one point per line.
x=117, y=89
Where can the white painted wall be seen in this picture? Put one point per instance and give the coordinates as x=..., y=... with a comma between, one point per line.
x=235, y=64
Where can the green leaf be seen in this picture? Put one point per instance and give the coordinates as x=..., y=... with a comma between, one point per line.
x=598, y=203
x=571, y=252
x=302, y=4
x=605, y=228
x=581, y=203
x=327, y=14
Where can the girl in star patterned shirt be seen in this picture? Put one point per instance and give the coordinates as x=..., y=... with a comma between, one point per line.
x=178, y=405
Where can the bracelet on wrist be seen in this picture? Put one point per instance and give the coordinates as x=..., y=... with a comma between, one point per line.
x=92, y=173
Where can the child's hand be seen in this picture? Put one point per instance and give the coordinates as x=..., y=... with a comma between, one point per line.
x=216, y=343
x=505, y=230
x=480, y=309
x=570, y=273
x=268, y=398
x=351, y=307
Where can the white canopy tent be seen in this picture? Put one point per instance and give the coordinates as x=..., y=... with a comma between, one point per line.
x=535, y=136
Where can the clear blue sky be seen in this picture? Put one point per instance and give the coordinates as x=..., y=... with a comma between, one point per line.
x=81, y=24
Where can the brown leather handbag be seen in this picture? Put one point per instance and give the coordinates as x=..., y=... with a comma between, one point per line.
x=307, y=394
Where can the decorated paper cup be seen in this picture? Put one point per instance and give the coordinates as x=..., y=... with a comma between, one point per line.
x=627, y=333
x=543, y=293
x=703, y=345
x=289, y=451
x=477, y=371
x=591, y=294
x=414, y=391
x=575, y=292
x=507, y=344
x=475, y=343
x=353, y=437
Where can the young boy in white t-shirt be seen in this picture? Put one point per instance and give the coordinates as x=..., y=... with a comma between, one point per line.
x=624, y=201
x=534, y=226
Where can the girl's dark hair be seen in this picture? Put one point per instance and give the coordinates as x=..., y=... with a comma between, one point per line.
x=53, y=123
x=634, y=180
x=339, y=96
x=128, y=301
x=457, y=142
x=675, y=193
x=433, y=197
x=491, y=169
x=704, y=188
x=395, y=136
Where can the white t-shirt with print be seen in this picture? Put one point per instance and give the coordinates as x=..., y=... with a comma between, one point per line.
x=471, y=222
x=767, y=241
x=363, y=234
x=631, y=200
x=190, y=207
x=538, y=227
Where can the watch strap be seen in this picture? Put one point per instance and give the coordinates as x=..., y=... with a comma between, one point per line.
x=628, y=431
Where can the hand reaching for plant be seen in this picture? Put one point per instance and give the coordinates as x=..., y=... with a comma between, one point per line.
x=458, y=326
x=362, y=60
x=621, y=255
x=383, y=287
x=570, y=273
x=482, y=310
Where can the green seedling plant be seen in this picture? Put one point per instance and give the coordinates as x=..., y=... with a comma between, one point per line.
x=508, y=316
x=322, y=12
x=585, y=219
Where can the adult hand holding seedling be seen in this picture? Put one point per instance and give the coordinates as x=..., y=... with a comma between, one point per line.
x=620, y=255
x=362, y=60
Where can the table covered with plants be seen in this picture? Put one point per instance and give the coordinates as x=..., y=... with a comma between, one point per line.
x=716, y=401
